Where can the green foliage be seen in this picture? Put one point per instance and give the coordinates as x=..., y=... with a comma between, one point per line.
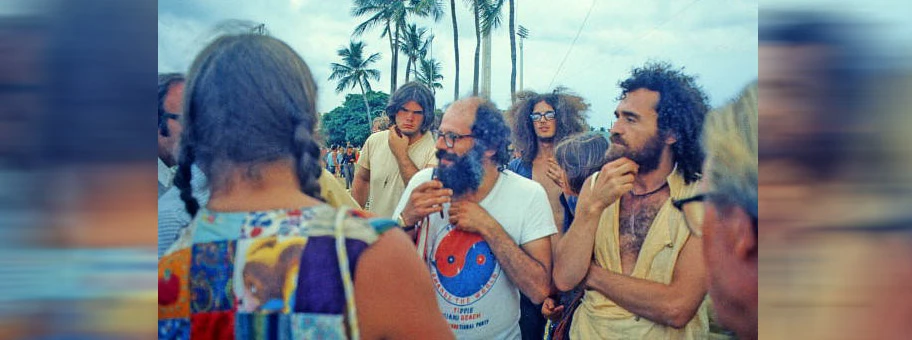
x=347, y=123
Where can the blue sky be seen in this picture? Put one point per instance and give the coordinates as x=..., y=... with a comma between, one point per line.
x=713, y=39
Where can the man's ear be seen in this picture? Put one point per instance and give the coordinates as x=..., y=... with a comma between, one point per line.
x=671, y=137
x=741, y=229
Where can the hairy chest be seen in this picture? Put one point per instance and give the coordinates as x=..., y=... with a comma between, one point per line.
x=635, y=219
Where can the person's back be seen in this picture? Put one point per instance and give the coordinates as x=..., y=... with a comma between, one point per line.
x=266, y=257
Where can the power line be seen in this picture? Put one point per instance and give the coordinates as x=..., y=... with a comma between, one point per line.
x=640, y=38
x=567, y=55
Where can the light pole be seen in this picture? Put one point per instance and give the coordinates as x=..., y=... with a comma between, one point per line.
x=523, y=34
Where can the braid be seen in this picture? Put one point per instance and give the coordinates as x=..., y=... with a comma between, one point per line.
x=307, y=154
x=182, y=180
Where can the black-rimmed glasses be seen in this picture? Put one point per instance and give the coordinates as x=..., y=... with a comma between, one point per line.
x=168, y=115
x=450, y=138
x=539, y=116
x=692, y=208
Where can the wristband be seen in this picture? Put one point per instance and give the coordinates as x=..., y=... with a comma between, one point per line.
x=402, y=225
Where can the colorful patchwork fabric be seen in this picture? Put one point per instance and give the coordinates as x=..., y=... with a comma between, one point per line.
x=280, y=274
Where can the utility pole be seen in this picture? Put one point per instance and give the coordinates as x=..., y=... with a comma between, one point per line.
x=523, y=34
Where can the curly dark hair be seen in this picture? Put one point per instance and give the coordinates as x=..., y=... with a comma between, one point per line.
x=413, y=91
x=491, y=132
x=569, y=115
x=681, y=109
x=250, y=100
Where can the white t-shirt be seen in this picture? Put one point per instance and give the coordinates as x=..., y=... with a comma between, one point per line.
x=475, y=295
x=386, y=183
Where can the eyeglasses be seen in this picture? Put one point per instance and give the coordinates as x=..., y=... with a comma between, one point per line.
x=450, y=138
x=168, y=115
x=692, y=208
x=538, y=116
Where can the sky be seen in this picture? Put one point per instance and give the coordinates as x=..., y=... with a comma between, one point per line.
x=715, y=40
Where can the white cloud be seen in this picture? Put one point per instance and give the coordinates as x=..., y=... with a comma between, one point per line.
x=715, y=39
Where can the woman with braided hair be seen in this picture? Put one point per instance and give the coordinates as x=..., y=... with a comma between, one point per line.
x=266, y=257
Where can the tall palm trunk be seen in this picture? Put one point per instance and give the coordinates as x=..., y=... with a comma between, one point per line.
x=455, y=48
x=395, y=72
x=512, y=52
x=477, y=46
x=408, y=68
x=393, y=48
x=366, y=106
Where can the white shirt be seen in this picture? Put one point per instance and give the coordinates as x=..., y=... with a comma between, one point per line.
x=165, y=177
x=386, y=182
x=474, y=294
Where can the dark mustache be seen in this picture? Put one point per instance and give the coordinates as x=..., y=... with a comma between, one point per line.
x=615, y=139
x=443, y=154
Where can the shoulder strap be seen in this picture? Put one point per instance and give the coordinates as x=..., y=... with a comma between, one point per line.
x=342, y=254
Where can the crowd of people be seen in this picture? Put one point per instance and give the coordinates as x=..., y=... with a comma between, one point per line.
x=496, y=224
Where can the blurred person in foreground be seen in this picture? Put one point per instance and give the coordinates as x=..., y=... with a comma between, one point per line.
x=483, y=231
x=170, y=97
x=390, y=158
x=172, y=213
x=724, y=213
x=266, y=257
x=578, y=156
x=835, y=191
x=643, y=272
x=538, y=123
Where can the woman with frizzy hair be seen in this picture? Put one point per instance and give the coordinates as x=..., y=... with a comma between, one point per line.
x=266, y=257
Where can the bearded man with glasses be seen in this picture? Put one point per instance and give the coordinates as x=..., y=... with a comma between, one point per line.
x=483, y=231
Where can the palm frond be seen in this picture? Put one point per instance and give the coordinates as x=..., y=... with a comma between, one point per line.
x=377, y=19
x=354, y=69
x=491, y=15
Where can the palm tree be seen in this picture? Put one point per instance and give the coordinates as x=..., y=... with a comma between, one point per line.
x=487, y=18
x=428, y=73
x=355, y=70
x=512, y=50
x=415, y=46
x=392, y=16
x=476, y=10
x=490, y=20
x=455, y=49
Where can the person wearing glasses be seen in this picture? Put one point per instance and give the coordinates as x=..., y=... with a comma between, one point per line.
x=170, y=100
x=539, y=122
x=643, y=273
x=483, y=231
x=391, y=157
x=724, y=213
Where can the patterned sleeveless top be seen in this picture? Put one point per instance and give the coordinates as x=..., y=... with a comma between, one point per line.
x=279, y=274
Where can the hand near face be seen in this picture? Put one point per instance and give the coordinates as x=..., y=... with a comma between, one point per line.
x=426, y=199
x=398, y=142
x=613, y=181
x=470, y=217
x=555, y=172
